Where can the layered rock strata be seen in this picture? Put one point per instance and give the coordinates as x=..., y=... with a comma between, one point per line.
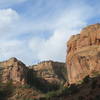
x=83, y=54
x=14, y=70
x=17, y=72
x=52, y=72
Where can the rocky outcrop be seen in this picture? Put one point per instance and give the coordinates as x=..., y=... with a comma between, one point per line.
x=52, y=72
x=17, y=72
x=83, y=54
x=14, y=70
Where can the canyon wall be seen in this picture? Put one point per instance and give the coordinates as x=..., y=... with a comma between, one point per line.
x=83, y=54
x=53, y=72
x=14, y=70
x=17, y=72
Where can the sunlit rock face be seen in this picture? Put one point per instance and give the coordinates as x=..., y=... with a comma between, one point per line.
x=83, y=54
x=14, y=70
x=17, y=72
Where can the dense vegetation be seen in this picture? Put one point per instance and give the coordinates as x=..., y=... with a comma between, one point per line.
x=49, y=91
x=6, y=90
x=40, y=84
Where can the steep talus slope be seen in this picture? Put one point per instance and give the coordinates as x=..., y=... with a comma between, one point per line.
x=83, y=54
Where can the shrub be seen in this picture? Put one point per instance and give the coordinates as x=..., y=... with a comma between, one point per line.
x=93, y=84
x=56, y=93
x=63, y=91
x=42, y=98
x=6, y=89
x=97, y=97
x=73, y=89
x=86, y=79
x=26, y=86
x=40, y=83
x=51, y=94
x=80, y=98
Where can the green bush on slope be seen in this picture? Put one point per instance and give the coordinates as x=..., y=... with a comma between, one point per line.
x=6, y=89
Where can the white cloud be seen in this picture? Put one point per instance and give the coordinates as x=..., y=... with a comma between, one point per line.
x=8, y=18
x=10, y=46
x=15, y=48
x=13, y=25
x=67, y=24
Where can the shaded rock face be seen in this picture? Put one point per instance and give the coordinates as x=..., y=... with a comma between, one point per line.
x=52, y=72
x=14, y=70
x=83, y=55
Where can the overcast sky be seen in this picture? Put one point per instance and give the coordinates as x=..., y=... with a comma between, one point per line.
x=37, y=30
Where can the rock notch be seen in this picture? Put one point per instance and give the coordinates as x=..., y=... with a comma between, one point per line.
x=83, y=54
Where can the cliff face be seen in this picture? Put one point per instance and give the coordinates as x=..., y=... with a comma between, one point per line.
x=17, y=72
x=52, y=72
x=14, y=70
x=83, y=55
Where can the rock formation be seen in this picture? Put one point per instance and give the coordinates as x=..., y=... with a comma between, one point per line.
x=17, y=72
x=83, y=54
x=52, y=72
x=14, y=70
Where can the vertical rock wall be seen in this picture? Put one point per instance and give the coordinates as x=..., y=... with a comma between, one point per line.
x=83, y=54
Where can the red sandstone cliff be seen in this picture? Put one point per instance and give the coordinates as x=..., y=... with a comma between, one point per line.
x=52, y=72
x=83, y=55
x=17, y=72
x=14, y=70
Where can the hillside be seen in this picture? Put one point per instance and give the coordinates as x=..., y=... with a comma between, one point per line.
x=30, y=81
